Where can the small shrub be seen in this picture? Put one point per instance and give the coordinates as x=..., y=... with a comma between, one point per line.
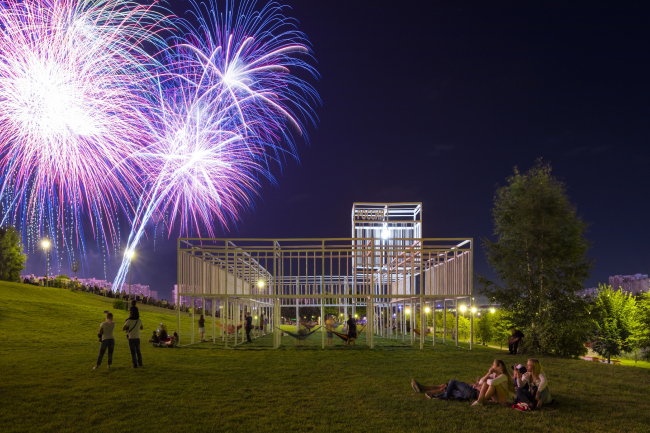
x=118, y=304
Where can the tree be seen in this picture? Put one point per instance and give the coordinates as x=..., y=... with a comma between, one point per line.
x=484, y=326
x=642, y=329
x=12, y=259
x=614, y=315
x=540, y=260
x=75, y=267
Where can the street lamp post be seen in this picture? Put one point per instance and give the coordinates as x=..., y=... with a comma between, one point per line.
x=46, y=245
x=130, y=254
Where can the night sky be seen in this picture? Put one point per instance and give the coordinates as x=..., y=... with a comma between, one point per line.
x=437, y=105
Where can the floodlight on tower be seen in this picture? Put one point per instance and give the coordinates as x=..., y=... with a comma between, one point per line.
x=385, y=234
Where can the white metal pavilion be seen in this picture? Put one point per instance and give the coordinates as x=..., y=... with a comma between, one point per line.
x=385, y=266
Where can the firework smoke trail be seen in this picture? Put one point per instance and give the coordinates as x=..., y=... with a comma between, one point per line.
x=231, y=106
x=74, y=83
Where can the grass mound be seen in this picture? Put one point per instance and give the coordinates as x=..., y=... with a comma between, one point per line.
x=48, y=346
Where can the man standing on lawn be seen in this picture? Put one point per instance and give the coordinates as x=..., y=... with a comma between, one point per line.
x=249, y=326
x=133, y=328
x=514, y=340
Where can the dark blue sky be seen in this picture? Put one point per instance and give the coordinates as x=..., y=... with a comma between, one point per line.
x=438, y=104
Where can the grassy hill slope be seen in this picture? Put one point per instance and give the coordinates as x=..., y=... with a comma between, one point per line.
x=48, y=346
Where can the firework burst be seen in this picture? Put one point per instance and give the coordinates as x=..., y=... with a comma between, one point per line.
x=231, y=109
x=74, y=83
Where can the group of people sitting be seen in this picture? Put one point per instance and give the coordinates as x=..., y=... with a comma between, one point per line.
x=161, y=339
x=526, y=389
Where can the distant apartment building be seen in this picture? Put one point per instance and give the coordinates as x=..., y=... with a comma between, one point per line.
x=102, y=284
x=136, y=289
x=633, y=284
x=186, y=301
x=590, y=292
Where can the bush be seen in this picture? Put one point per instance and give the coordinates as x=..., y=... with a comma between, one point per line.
x=118, y=304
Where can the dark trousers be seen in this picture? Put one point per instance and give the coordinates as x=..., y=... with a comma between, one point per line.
x=134, y=347
x=460, y=391
x=512, y=347
x=248, y=334
x=528, y=396
x=106, y=344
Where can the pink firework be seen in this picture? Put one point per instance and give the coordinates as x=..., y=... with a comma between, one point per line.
x=231, y=107
x=74, y=94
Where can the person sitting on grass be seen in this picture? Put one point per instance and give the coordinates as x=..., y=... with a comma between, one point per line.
x=162, y=336
x=154, y=338
x=455, y=389
x=517, y=376
x=173, y=342
x=537, y=392
x=496, y=385
x=514, y=340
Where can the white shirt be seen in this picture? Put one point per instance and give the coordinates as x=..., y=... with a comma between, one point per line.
x=540, y=383
x=135, y=324
x=502, y=381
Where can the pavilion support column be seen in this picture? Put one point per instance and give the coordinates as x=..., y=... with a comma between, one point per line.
x=403, y=321
x=444, y=321
x=471, y=324
x=370, y=321
x=456, y=321
x=412, y=321
x=192, y=340
x=214, y=320
x=297, y=315
x=433, y=321
x=224, y=321
x=423, y=322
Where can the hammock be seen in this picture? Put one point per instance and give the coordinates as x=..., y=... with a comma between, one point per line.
x=298, y=336
x=417, y=331
x=307, y=325
x=344, y=337
x=231, y=328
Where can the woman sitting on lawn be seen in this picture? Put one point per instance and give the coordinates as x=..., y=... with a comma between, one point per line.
x=537, y=392
x=496, y=385
x=162, y=336
x=173, y=342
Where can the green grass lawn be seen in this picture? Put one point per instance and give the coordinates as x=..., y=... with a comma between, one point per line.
x=49, y=345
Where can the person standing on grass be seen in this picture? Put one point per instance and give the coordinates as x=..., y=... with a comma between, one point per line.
x=261, y=324
x=329, y=327
x=514, y=340
x=352, y=330
x=201, y=326
x=133, y=328
x=108, y=340
x=249, y=326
